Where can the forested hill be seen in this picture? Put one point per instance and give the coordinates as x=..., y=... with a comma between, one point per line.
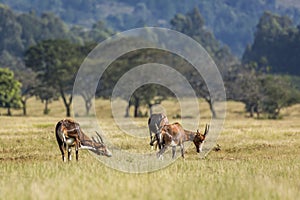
x=232, y=21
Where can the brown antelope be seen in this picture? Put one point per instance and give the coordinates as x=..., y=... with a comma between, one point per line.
x=155, y=124
x=69, y=134
x=174, y=135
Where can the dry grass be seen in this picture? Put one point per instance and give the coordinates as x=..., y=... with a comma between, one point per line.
x=259, y=159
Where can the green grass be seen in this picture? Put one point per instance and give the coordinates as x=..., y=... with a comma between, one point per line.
x=259, y=159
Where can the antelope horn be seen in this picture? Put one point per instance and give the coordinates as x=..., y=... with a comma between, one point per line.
x=94, y=139
x=206, y=129
x=99, y=136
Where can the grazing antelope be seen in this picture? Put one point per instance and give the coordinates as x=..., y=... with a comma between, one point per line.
x=174, y=135
x=69, y=134
x=199, y=139
x=155, y=124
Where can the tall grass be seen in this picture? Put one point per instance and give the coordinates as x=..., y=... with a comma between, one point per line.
x=259, y=159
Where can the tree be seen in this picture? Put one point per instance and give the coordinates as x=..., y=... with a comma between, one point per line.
x=10, y=90
x=10, y=32
x=247, y=88
x=278, y=93
x=262, y=93
x=56, y=63
x=147, y=95
x=46, y=94
x=29, y=82
x=192, y=24
x=99, y=32
x=53, y=27
x=86, y=80
x=276, y=44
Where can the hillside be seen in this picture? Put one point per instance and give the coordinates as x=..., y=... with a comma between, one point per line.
x=233, y=22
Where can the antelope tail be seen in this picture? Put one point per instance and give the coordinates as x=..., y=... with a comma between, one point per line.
x=149, y=120
x=56, y=132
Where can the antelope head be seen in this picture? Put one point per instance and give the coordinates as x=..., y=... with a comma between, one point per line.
x=97, y=146
x=199, y=139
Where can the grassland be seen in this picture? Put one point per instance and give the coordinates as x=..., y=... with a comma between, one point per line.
x=259, y=159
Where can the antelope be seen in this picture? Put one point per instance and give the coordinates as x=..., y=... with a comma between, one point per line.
x=69, y=134
x=155, y=124
x=174, y=135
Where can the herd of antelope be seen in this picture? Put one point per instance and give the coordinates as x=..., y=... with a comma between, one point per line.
x=162, y=134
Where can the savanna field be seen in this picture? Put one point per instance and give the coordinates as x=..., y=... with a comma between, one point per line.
x=259, y=159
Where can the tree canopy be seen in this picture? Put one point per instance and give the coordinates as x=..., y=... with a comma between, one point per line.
x=10, y=90
x=276, y=46
x=56, y=63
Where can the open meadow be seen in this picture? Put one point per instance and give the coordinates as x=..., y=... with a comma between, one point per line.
x=259, y=159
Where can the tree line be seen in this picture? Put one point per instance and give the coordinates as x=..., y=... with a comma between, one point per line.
x=52, y=63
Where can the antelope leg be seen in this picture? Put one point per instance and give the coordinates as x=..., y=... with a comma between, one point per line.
x=173, y=151
x=182, y=150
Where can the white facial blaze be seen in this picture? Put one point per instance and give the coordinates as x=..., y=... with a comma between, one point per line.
x=87, y=147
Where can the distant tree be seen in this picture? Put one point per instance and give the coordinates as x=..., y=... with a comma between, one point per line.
x=56, y=63
x=278, y=93
x=32, y=26
x=53, y=28
x=192, y=24
x=99, y=32
x=10, y=32
x=29, y=82
x=10, y=90
x=262, y=93
x=247, y=88
x=46, y=94
x=276, y=44
x=147, y=95
x=86, y=80
x=85, y=91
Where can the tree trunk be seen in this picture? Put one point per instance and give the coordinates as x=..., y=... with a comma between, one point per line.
x=127, y=109
x=136, y=111
x=8, y=111
x=150, y=109
x=46, y=110
x=88, y=105
x=257, y=115
x=136, y=107
x=212, y=108
x=66, y=103
x=252, y=111
x=68, y=109
x=24, y=107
